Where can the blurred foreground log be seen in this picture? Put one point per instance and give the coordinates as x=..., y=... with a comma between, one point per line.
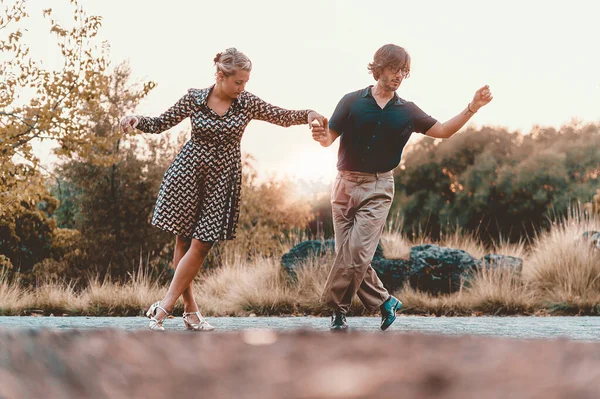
x=301, y=364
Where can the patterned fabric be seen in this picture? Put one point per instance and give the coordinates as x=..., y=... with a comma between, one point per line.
x=200, y=193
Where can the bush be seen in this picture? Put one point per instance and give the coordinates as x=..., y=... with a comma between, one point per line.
x=496, y=183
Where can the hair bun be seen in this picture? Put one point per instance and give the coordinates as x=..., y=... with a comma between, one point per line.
x=217, y=57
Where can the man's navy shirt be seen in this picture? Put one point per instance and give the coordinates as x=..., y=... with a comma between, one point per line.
x=372, y=138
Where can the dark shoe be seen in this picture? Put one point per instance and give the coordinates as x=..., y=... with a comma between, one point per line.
x=338, y=321
x=388, y=312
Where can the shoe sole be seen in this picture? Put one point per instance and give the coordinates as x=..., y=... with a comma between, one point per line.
x=396, y=308
x=338, y=329
x=201, y=331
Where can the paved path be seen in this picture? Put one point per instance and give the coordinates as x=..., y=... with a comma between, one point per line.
x=575, y=328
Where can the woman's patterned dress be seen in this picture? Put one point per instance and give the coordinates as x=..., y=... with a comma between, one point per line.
x=200, y=193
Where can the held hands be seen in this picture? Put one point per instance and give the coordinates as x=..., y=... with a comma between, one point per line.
x=320, y=128
x=315, y=116
x=321, y=133
x=482, y=97
x=129, y=122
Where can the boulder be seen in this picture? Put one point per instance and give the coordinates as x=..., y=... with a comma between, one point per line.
x=593, y=237
x=430, y=268
x=497, y=261
x=439, y=270
x=392, y=272
x=306, y=250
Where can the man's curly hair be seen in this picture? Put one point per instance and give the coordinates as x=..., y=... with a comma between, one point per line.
x=391, y=56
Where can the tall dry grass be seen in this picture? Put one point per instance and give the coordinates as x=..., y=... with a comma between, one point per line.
x=49, y=297
x=13, y=298
x=561, y=275
x=238, y=289
x=397, y=246
x=125, y=299
x=490, y=291
x=263, y=288
x=564, y=269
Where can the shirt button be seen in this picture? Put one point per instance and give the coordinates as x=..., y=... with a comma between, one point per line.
x=368, y=148
x=373, y=136
x=379, y=123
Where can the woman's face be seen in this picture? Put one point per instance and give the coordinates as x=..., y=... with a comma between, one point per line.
x=233, y=85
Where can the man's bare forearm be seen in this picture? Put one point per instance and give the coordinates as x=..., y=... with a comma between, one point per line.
x=451, y=126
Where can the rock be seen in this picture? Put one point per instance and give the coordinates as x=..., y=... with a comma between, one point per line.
x=593, y=237
x=379, y=251
x=292, y=365
x=430, y=268
x=439, y=270
x=392, y=272
x=302, y=252
x=496, y=261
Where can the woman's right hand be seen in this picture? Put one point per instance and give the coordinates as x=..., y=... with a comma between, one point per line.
x=129, y=122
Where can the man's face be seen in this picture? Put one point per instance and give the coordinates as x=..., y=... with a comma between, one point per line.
x=391, y=78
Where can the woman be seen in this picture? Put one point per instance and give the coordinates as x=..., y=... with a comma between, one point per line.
x=199, y=198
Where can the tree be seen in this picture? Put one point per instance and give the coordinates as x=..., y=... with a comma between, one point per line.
x=43, y=104
x=26, y=235
x=111, y=207
x=107, y=192
x=497, y=183
x=76, y=106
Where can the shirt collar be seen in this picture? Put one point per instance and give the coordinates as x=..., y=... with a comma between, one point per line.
x=202, y=97
x=397, y=100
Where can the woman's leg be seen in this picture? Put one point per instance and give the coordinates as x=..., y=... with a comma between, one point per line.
x=187, y=268
x=182, y=245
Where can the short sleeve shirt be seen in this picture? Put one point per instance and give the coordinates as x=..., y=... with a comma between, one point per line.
x=371, y=138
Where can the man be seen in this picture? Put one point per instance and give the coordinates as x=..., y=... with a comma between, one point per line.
x=374, y=125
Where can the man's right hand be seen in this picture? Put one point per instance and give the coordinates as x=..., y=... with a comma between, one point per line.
x=322, y=134
x=129, y=122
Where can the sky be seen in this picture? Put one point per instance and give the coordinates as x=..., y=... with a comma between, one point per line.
x=539, y=58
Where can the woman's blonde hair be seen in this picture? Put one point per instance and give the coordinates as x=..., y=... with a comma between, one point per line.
x=230, y=60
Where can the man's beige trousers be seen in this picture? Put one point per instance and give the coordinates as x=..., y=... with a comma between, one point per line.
x=360, y=204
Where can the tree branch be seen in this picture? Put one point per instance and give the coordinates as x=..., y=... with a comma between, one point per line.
x=37, y=165
x=19, y=118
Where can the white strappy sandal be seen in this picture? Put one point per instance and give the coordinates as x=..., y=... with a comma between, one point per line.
x=202, y=325
x=155, y=324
